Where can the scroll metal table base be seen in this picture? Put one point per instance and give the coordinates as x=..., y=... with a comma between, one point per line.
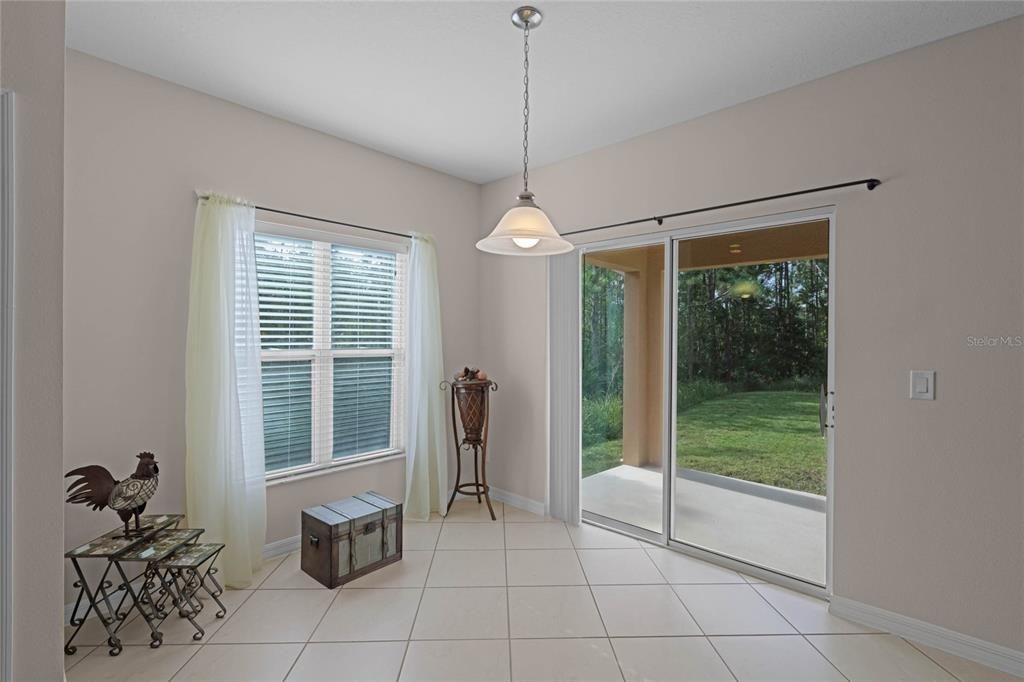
x=171, y=580
x=100, y=602
x=182, y=580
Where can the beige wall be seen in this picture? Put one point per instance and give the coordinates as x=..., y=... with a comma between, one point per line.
x=32, y=65
x=928, y=497
x=137, y=148
x=928, y=494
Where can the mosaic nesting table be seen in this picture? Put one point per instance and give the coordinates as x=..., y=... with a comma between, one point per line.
x=174, y=568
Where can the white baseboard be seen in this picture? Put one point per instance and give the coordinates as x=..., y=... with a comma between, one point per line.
x=279, y=547
x=524, y=503
x=518, y=501
x=978, y=650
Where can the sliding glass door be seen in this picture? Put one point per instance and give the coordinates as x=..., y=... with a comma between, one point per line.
x=751, y=372
x=623, y=379
x=710, y=431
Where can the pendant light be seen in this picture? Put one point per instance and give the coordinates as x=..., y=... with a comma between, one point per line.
x=525, y=229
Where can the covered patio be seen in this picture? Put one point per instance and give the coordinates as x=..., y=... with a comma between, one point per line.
x=768, y=526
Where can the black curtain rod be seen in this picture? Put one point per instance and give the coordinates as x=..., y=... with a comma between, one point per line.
x=334, y=222
x=871, y=183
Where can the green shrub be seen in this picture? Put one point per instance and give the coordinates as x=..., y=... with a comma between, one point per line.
x=602, y=419
x=695, y=392
x=797, y=383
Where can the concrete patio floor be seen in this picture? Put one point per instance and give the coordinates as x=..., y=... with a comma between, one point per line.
x=773, y=534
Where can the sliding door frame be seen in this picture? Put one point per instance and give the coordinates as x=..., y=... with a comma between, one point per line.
x=637, y=241
x=7, y=218
x=670, y=236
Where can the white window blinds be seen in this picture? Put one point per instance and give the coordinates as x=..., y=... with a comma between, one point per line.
x=332, y=334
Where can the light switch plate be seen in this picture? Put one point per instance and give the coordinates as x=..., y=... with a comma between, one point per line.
x=922, y=384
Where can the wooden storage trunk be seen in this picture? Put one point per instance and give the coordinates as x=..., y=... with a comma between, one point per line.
x=349, y=538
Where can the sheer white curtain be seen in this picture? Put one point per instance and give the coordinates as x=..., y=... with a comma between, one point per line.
x=224, y=465
x=426, y=464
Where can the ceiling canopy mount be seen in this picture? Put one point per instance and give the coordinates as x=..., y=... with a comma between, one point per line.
x=527, y=17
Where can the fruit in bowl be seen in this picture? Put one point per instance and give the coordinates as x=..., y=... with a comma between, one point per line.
x=471, y=374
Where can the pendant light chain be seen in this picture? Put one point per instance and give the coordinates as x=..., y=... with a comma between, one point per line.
x=524, y=229
x=526, y=110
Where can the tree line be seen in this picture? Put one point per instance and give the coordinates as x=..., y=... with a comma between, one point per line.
x=743, y=328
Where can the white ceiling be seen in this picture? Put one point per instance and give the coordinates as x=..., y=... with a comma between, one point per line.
x=439, y=83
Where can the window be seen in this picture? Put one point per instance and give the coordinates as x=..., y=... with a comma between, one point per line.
x=332, y=350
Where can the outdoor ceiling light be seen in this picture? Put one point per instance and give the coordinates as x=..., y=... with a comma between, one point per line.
x=745, y=289
x=525, y=230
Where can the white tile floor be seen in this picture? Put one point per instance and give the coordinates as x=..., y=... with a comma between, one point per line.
x=523, y=598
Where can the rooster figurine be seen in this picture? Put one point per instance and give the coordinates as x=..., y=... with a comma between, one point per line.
x=98, y=489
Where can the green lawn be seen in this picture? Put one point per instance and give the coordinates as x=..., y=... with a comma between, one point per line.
x=601, y=457
x=769, y=437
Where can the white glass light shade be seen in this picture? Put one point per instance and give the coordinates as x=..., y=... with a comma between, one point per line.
x=524, y=230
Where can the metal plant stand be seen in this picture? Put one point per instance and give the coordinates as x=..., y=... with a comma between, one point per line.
x=472, y=397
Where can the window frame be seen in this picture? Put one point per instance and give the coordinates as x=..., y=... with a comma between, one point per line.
x=322, y=426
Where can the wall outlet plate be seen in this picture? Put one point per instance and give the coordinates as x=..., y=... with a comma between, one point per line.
x=922, y=384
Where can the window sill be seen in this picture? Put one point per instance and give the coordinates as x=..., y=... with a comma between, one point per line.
x=314, y=470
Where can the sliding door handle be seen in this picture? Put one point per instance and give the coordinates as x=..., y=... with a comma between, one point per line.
x=822, y=410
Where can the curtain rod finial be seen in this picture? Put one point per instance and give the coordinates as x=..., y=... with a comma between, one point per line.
x=873, y=183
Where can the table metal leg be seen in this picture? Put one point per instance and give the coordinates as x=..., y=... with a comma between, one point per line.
x=217, y=590
x=109, y=618
x=181, y=594
x=147, y=609
x=152, y=594
x=77, y=621
x=188, y=586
